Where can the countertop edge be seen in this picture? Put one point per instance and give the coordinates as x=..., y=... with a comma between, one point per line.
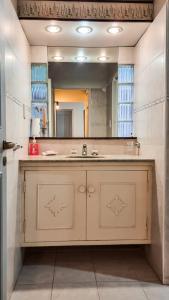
x=85, y=160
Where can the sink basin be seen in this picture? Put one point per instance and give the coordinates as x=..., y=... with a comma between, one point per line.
x=84, y=156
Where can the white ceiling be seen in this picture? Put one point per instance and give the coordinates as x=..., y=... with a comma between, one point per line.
x=99, y=37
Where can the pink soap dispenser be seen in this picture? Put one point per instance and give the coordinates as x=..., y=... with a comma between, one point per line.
x=34, y=147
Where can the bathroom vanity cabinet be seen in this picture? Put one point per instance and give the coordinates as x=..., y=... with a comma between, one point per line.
x=85, y=203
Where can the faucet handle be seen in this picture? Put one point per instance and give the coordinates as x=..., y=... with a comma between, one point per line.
x=137, y=144
x=95, y=152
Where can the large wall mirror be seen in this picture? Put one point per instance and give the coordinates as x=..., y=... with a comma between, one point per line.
x=85, y=99
x=91, y=99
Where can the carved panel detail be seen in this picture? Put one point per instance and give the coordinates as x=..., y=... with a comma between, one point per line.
x=55, y=206
x=55, y=203
x=74, y=10
x=116, y=205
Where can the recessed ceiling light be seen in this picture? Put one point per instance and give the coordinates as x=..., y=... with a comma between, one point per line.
x=103, y=58
x=53, y=28
x=115, y=29
x=84, y=29
x=81, y=58
x=58, y=58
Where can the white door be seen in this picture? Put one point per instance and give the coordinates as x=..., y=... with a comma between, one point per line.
x=55, y=206
x=3, y=213
x=117, y=205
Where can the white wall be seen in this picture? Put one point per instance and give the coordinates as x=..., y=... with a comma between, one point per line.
x=17, y=81
x=126, y=55
x=149, y=121
x=39, y=54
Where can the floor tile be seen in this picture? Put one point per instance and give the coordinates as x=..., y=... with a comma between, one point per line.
x=38, y=268
x=156, y=291
x=74, y=272
x=120, y=291
x=124, y=267
x=72, y=291
x=112, y=273
x=32, y=292
x=143, y=272
x=119, y=272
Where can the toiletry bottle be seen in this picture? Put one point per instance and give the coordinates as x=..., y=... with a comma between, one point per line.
x=34, y=148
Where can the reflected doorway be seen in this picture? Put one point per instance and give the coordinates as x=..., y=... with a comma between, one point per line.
x=64, y=123
x=71, y=113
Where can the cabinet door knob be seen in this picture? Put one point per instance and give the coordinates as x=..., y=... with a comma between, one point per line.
x=82, y=189
x=91, y=189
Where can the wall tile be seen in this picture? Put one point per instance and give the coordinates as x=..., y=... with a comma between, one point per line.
x=149, y=121
x=104, y=147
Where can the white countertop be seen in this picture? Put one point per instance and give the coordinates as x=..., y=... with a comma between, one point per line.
x=65, y=158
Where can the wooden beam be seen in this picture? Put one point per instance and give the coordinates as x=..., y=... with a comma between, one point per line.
x=80, y=10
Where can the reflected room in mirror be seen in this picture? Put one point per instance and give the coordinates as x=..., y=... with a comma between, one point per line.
x=83, y=93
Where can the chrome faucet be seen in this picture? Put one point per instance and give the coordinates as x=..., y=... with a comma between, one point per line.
x=84, y=150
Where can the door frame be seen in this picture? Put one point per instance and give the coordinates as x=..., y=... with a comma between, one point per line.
x=3, y=202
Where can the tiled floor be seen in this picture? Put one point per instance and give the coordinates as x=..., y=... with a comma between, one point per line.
x=88, y=273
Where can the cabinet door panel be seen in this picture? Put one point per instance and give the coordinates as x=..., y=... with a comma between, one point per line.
x=55, y=210
x=117, y=209
x=55, y=206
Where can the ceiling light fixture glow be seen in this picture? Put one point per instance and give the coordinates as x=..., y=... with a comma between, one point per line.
x=53, y=28
x=58, y=58
x=81, y=58
x=84, y=29
x=115, y=29
x=103, y=58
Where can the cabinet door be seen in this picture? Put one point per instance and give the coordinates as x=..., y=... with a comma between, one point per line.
x=117, y=204
x=55, y=206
